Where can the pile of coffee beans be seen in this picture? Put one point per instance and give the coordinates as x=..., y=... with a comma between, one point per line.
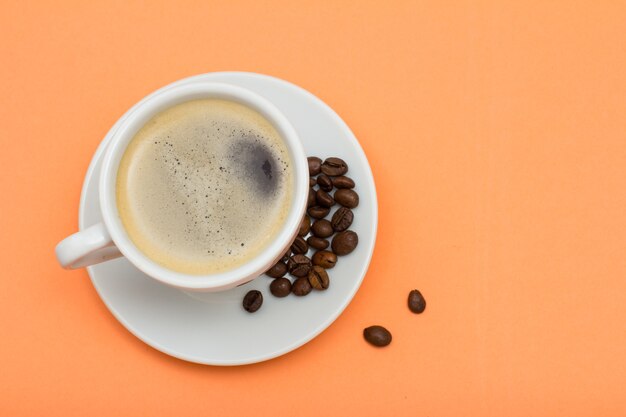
x=327, y=236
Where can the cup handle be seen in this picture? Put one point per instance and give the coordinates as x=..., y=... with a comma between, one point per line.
x=87, y=247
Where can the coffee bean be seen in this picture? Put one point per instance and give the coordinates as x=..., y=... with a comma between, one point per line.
x=322, y=228
x=417, y=303
x=301, y=287
x=280, y=287
x=286, y=255
x=277, y=270
x=252, y=301
x=315, y=165
x=342, y=182
x=344, y=242
x=318, y=278
x=325, y=259
x=342, y=219
x=312, y=182
x=311, y=199
x=323, y=199
x=299, y=246
x=347, y=198
x=305, y=226
x=325, y=182
x=377, y=336
x=318, y=212
x=334, y=167
x=317, y=242
x=299, y=265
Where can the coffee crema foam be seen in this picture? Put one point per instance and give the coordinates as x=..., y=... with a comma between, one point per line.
x=204, y=186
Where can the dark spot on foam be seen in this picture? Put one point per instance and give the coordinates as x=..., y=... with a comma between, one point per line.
x=267, y=169
x=256, y=162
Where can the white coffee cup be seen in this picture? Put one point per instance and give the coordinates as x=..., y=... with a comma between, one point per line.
x=108, y=240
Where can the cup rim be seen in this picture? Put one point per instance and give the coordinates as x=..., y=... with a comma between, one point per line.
x=137, y=119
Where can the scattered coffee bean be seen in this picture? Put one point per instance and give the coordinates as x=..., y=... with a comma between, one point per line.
x=324, y=199
x=280, y=287
x=342, y=182
x=377, y=336
x=312, y=182
x=277, y=270
x=299, y=265
x=318, y=212
x=305, y=226
x=344, y=242
x=252, y=301
x=347, y=198
x=334, y=167
x=325, y=259
x=322, y=228
x=417, y=303
x=342, y=219
x=318, y=278
x=311, y=199
x=325, y=182
x=301, y=287
x=317, y=242
x=299, y=246
x=315, y=165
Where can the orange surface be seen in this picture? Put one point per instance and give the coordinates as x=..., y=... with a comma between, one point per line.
x=497, y=136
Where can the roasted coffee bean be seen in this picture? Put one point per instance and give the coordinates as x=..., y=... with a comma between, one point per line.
x=324, y=258
x=344, y=242
x=318, y=278
x=324, y=199
x=325, y=182
x=299, y=246
x=334, y=167
x=347, y=198
x=318, y=212
x=280, y=287
x=342, y=182
x=305, y=226
x=277, y=270
x=311, y=199
x=342, y=219
x=286, y=256
x=322, y=228
x=252, y=301
x=301, y=286
x=417, y=303
x=315, y=165
x=312, y=182
x=299, y=265
x=377, y=336
x=317, y=242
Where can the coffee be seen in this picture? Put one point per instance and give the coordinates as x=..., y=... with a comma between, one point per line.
x=204, y=186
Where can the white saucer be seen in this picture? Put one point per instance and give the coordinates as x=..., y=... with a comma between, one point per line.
x=213, y=328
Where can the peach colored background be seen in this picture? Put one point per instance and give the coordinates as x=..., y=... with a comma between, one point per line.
x=497, y=136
